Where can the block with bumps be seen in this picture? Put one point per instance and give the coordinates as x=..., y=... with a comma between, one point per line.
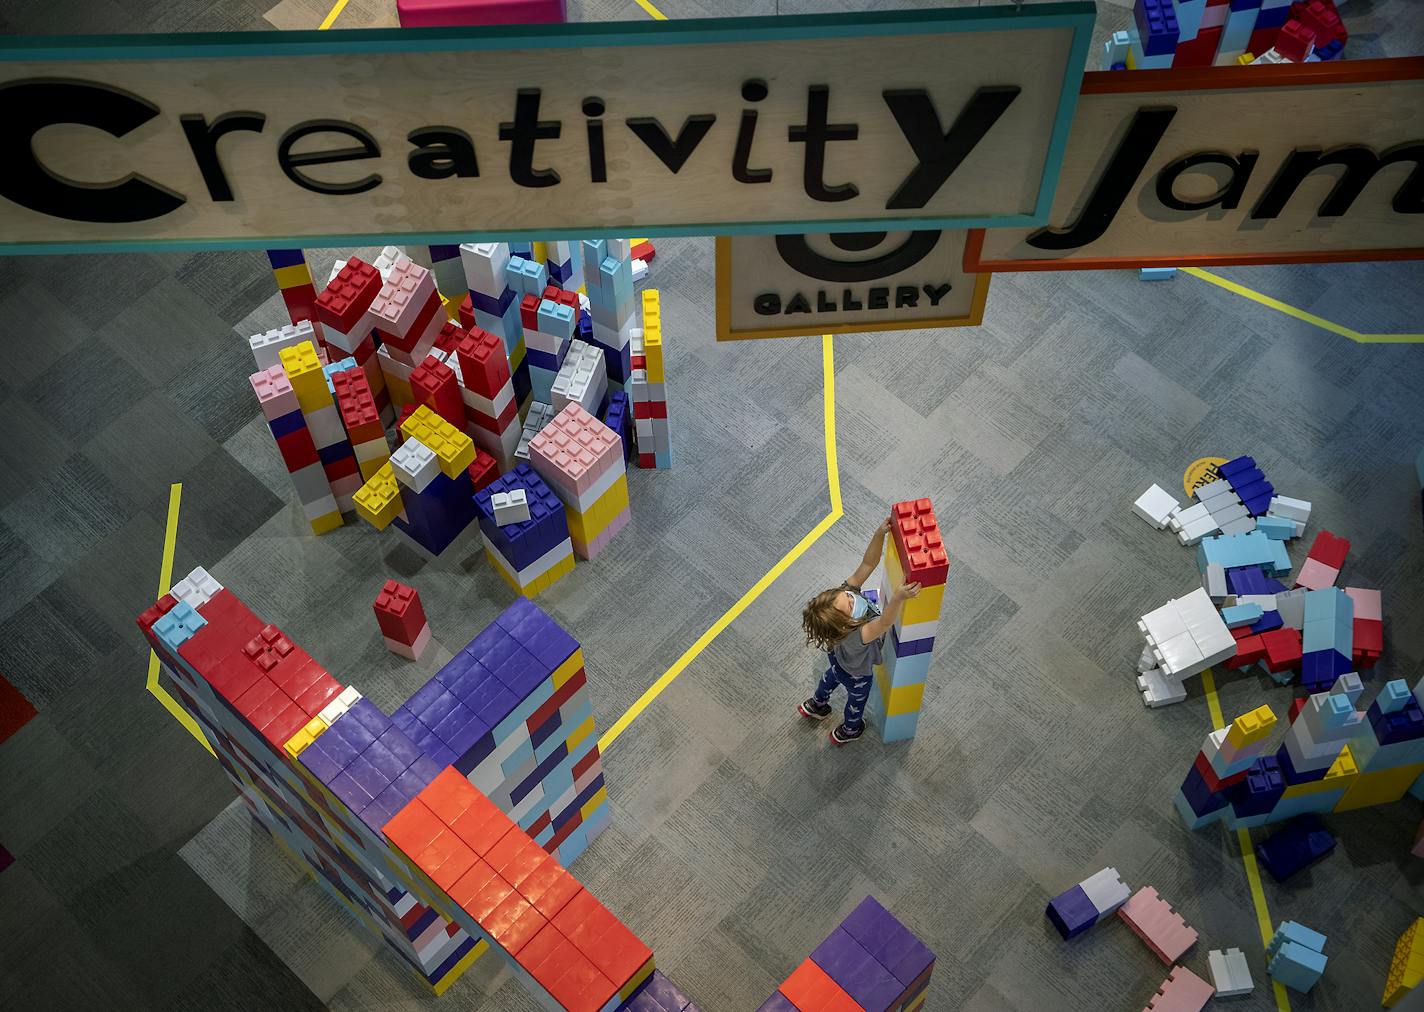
x=530, y=556
x=402, y=620
x=1157, y=924
x=581, y=459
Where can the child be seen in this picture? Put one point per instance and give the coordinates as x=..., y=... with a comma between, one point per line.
x=845, y=624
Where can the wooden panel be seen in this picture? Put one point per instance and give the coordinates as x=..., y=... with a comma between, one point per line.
x=1374, y=106
x=388, y=84
x=795, y=285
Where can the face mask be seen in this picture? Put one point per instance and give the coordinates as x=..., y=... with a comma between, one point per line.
x=859, y=606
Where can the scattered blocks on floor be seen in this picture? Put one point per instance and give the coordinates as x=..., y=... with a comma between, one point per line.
x=1295, y=956
x=1153, y=920
x=1079, y=908
x=1230, y=973
x=1155, y=506
x=1182, y=991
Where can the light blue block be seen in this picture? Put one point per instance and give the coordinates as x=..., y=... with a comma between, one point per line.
x=1156, y=273
x=1189, y=18
x=900, y=727
x=544, y=835
x=1394, y=696
x=1236, y=33
x=557, y=319
x=1191, y=818
x=335, y=367
x=511, y=763
x=597, y=822
x=1141, y=61
x=909, y=670
x=1293, y=931
x=1241, y=614
x=1376, y=757
x=1276, y=528
x=1297, y=967
x=574, y=844
x=1250, y=822
x=663, y=459
x=178, y=626
x=1280, y=563
x=1320, y=801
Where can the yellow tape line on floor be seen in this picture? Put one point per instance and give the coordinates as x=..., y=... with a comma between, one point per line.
x=1301, y=314
x=1248, y=854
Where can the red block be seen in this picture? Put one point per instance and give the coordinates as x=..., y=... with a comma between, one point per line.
x=1294, y=41
x=484, y=366
x=342, y=467
x=918, y=542
x=229, y=625
x=644, y=251
x=433, y=383
x=647, y=460
x=529, y=311
x=490, y=424
x=449, y=336
x=1213, y=782
x=346, y=299
x=405, y=413
x=301, y=303
x=399, y=612
x=810, y=987
x=15, y=710
x=558, y=699
x=467, y=312
x=582, y=766
x=1198, y=52
x=1297, y=704
x=1262, y=40
x=1329, y=550
x=1369, y=635
x=155, y=611
x=562, y=296
x=297, y=449
x=359, y=414
x=1282, y=649
x=1248, y=651
x=484, y=470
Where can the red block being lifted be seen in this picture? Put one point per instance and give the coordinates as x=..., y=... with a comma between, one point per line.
x=399, y=612
x=918, y=542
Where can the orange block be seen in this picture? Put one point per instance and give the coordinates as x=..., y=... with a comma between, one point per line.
x=811, y=990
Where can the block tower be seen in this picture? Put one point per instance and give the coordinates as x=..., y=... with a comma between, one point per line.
x=294, y=281
x=608, y=279
x=648, y=387
x=914, y=554
x=494, y=307
x=533, y=554
x=581, y=459
x=341, y=309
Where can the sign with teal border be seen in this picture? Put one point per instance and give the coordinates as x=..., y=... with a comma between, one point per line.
x=826, y=123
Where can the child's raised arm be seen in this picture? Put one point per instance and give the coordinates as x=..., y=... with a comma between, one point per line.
x=872, y=556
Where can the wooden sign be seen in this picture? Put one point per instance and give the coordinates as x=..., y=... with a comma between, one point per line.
x=1275, y=164
x=845, y=282
x=837, y=121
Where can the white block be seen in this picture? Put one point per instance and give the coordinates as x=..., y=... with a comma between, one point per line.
x=1106, y=891
x=1230, y=973
x=1160, y=689
x=510, y=507
x=1292, y=509
x=1155, y=506
x=415, y=464
x=196, y=589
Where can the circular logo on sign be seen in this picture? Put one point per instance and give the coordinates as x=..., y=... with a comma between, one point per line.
x=880, y=262
x=1202, y=471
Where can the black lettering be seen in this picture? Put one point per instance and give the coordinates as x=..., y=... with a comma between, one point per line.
x=823, y=305
x=848, y=301
x=290, y=163
x=798, y=304
x=815, y=133
x=752, y=91
x=937, y=292
x=597, y=163
x=939, y=154
x=906, y=296
x=1118, y=179
x=32, y=105
x=525, y=132
x=797, y=253
x=203, y=140
x=442, y=152
x=672, y=153
x=879, y=298
x=1360, y=164
x=767, y=304
x=1229, y=194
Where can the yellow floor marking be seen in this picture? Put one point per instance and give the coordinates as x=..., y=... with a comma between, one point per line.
x=833, y=480
x=656, y=14
x=165, y=580
x=1248, y=854
x=332, y=15
x=1301, y=314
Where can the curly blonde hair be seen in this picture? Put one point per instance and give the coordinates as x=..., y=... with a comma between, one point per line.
x=826, y=625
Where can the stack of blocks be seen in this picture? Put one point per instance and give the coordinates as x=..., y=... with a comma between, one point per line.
x=494, y=307
x=376, y=812
x=1295, y=956
x=1076, y=910
x=1184, y=637
x=870, y=962
x=533, y=555
x=406, y=315
x=489, y=394
x=361, y=417
x=1200, y=33
x=1406, y=969
x=549, y=321
x=431, y=468
x=511, y=714
x=1218, y=508
x=648, y=387
x=1323, y=562
x=341, y=309
x=294, y=281
x=338, y=461
x=283, y=414
x=581, y=379
x=1334, y=758
x=402, y=619
x=581, y=459
x=1327, y=647
x=1152, y=919
x=619, y=419
x=608, y=280
x=448, y=269
x=914, y=554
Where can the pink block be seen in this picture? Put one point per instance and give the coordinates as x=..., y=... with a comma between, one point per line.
x=1182, y=991
x=1367, y=603
x=434, y=13
x=1315, y=575
x=411, y=651
x=1151, y=918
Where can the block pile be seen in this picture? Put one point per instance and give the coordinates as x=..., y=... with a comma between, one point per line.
x=1334, y=758
x=581, y=459
x=1203, y=33
x=914, y=553
x=536, y=553
x=1184, y=638
x=374, y=808
x=870, y=962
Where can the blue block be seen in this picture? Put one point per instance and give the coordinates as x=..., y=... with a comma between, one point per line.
x=1236, y=466
x=280, y=258
x=524, y=543
x=1241, y=614
x=1155, y=273
x=900, y=727
x=178, y=626
x=1268, y=621
x=285, y=425
x=1071, y=912
x=1301, y=843
x=1276, y=528
x=1258, y=793
x=493, y=305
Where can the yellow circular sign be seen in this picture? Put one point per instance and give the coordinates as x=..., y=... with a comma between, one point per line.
x=1202, y=471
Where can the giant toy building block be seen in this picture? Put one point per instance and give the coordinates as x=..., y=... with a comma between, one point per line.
x=1406, y=969
x=406, y=316
x=283, y=414
x=1076, y=910
x=1153, y=920
x=1295, y=956
x=648, y=386
x=582, y=461
x=294, y=281
x=1200, y=33
x=373, y=808
x=581, y=379
x=1334, y=758
x=533, y=555
x=871, y=962
x=494, y=307
x=491, y=402
x=1182, y=991
x=361, y=417
x=402, y=619
x=549, y=320
x=612, y=306
x=1302, y=842
x=913, y=554
x=1230, y=973
x=341, y=309
x=1184, y=637
x=448, y=269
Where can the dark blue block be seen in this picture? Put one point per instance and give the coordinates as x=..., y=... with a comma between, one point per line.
x=1245, y=5
x=1402, y=725
x=1245, y=479
x=778, y=1002
x=1301, y=843
x=280, y=258
x=495, y=307
x=286, y=424
x=1238, y=466
x=1293, y=776
x=1259, y=791
x=1269, y=620
x=1202, y=799
x=1118, y=66
x=1071, y=912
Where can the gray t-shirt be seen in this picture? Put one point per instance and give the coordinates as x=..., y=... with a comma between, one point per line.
x=855, y=656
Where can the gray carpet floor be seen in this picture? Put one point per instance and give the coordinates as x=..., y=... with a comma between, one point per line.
x=738, y=838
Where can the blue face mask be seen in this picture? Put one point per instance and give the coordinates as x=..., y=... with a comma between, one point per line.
x=859, y=606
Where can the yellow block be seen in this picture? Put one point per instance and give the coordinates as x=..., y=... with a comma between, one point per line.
x=371, y=468
x=919, y=1002
x=441, y=985
x=1131, y=63
x=1378, y=788
x=653, y=335
x=903, y=699
x=399, y=389
x=540, y=251
x=1342, y=771
x=378, y=502
x=550, y=578
x=926, y=607
x=1245, y=58
x=517, y=355
x=298, y=742
x=584, y=527
x=327, y=522
x=579, y=733
x=291, y=277
x=1406, y=969
x=1251, y=727
x=452, y=448
x=303, y=369
x=568, y=669
x=636, y=242
x=591, y=805
x=636, y=981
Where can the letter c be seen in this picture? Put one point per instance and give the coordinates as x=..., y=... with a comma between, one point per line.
x=30, y=106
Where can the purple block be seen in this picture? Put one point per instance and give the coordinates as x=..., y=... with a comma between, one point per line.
x=424, y=696
x=1072, y=912
x=6, y=858
x=371, y=780
x=1269, y=620
x=892, y=944
x=319, y=762
x=778, y=1002
x=442, y=707
x=340, y=751
x=857, y=972
x=400, y=746
x=369, y=716
x=1237, y=466
x=350, y=792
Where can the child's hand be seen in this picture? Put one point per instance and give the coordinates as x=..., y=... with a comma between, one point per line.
x=907, y=590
